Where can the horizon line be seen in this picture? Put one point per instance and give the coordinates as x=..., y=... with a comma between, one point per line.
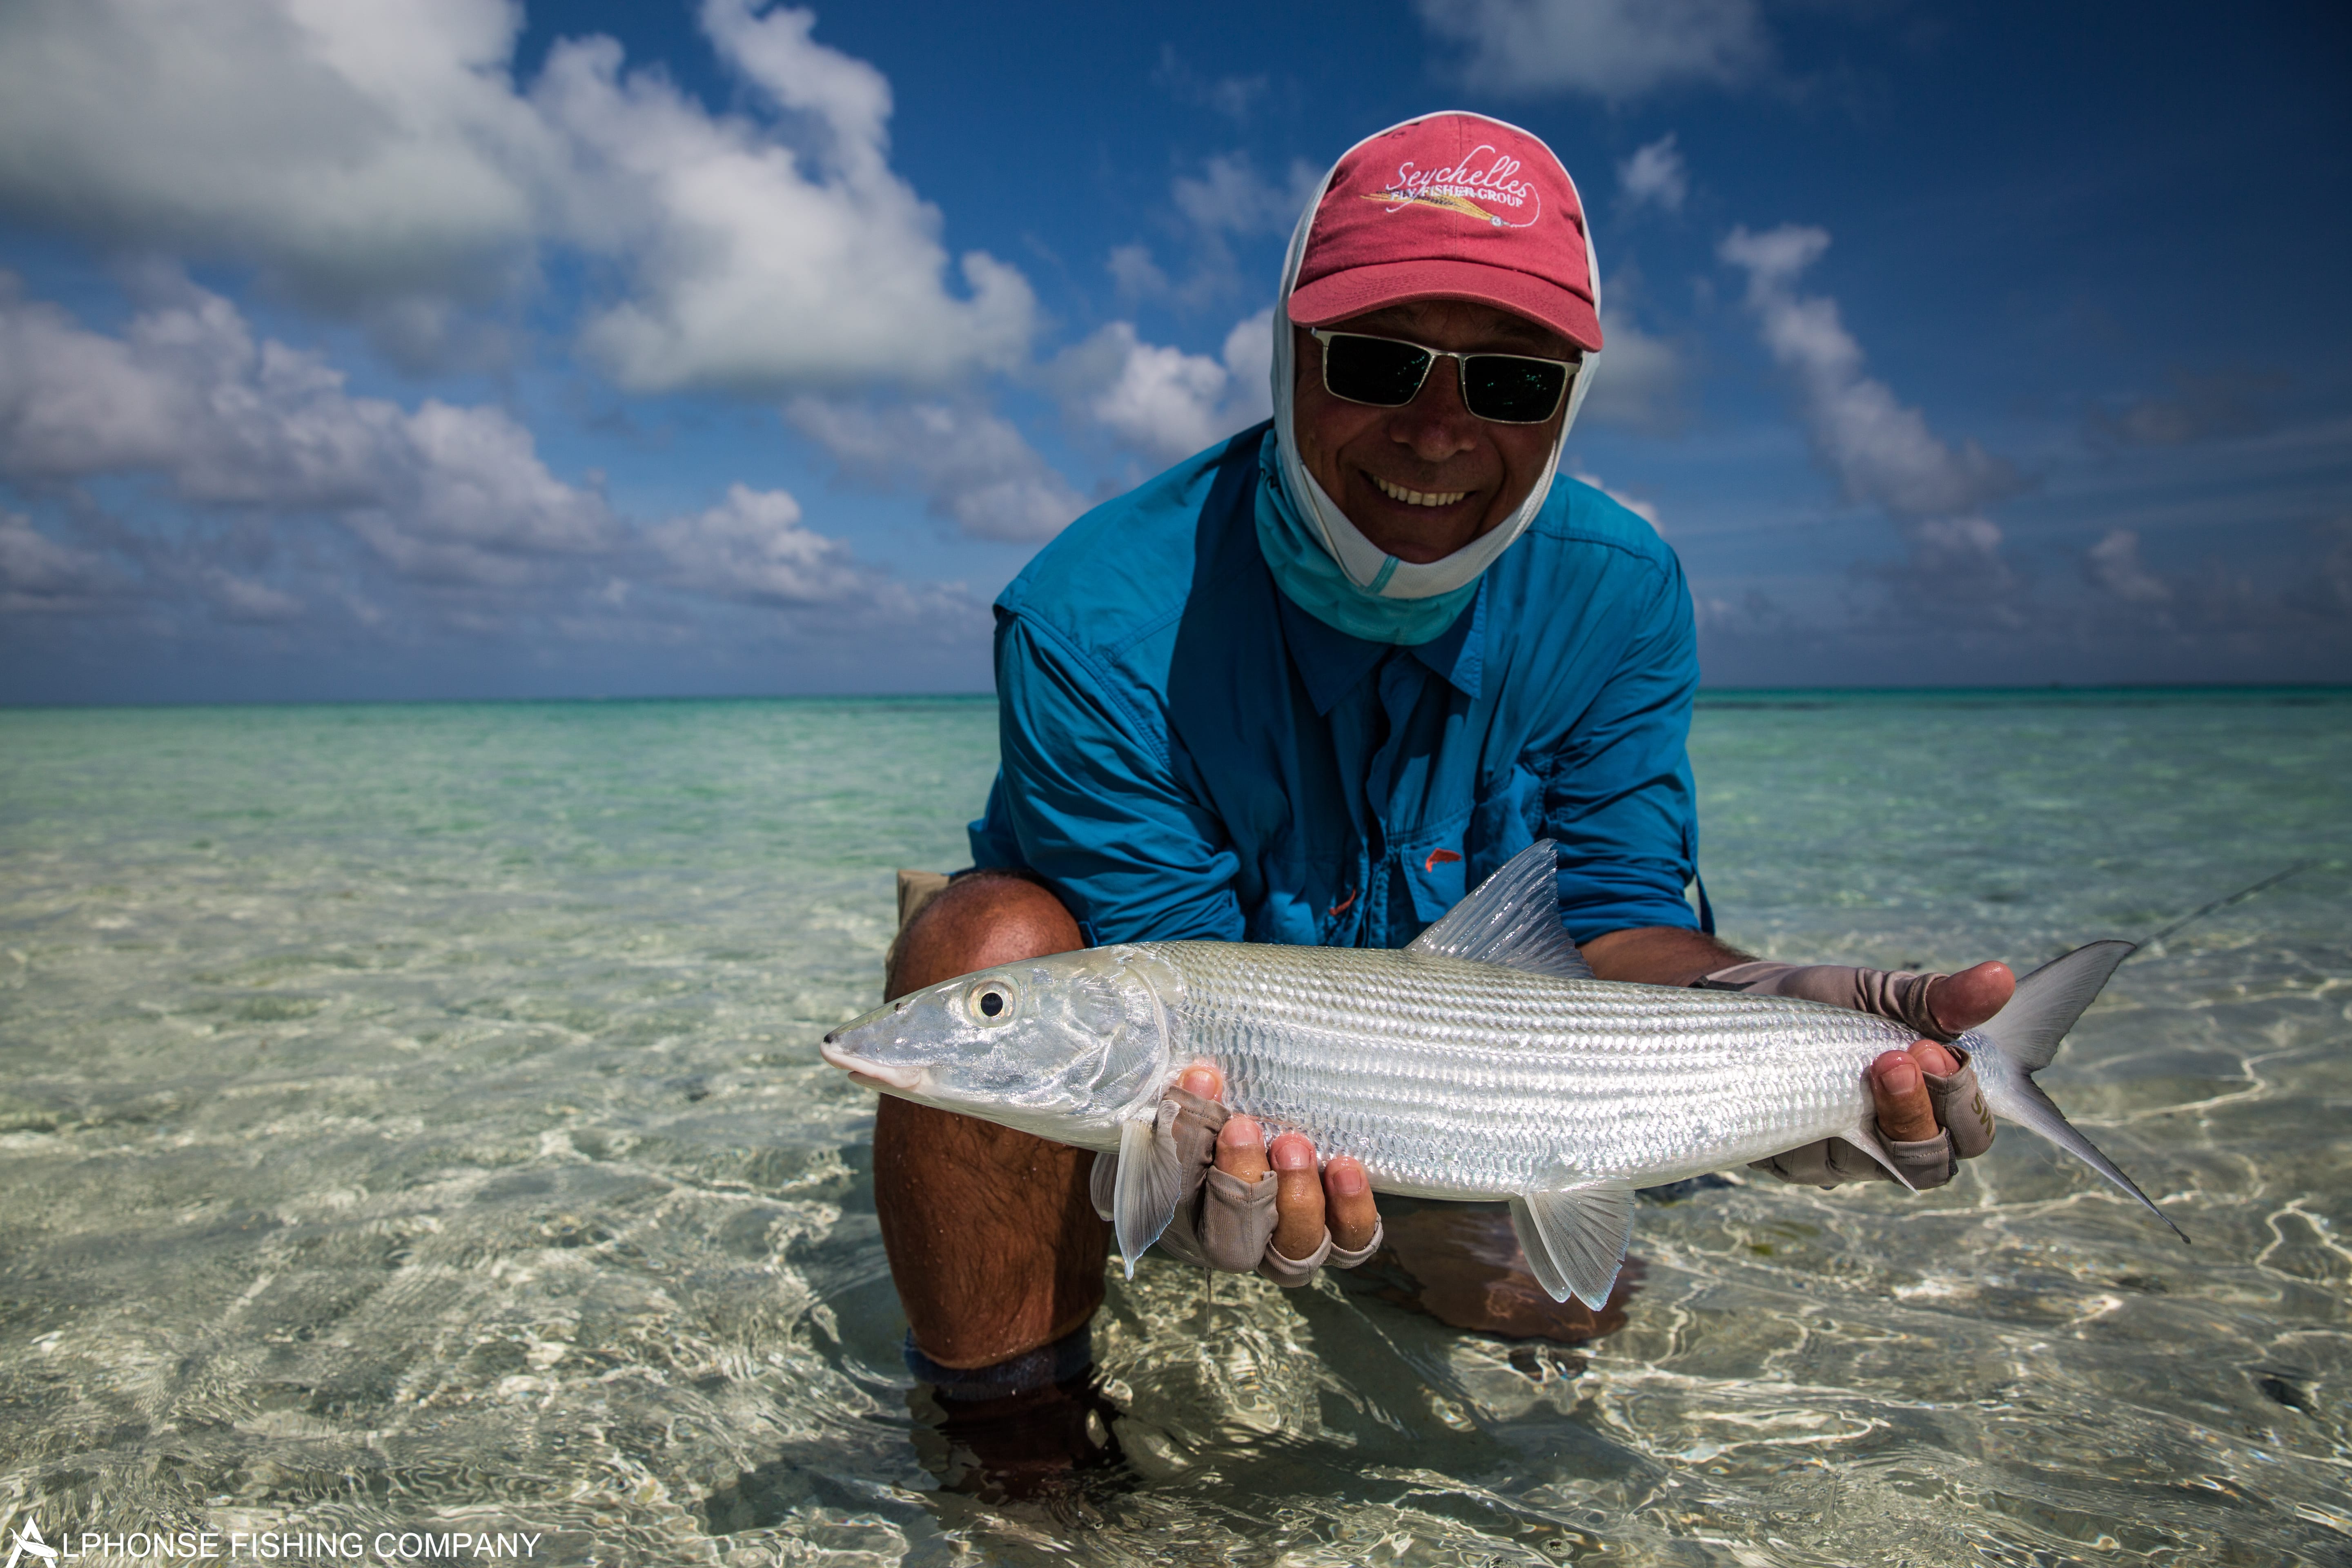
x=2044, y=690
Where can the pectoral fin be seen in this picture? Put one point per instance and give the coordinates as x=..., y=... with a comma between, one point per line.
x=1143, y=1199
x=1575, y=1239
x=1863, y=1135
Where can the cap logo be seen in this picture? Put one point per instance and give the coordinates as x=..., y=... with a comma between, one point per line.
x=1489, y=194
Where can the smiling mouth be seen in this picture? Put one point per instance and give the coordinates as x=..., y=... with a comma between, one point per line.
x=1417, y=497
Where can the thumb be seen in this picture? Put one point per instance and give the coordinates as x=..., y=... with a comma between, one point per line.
x=1961, y=1002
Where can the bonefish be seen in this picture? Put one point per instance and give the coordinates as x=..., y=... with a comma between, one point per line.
x=1485, y=1061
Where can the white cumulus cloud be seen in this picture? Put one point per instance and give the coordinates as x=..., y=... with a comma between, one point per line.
x=378, y=157
x=244, y=599
x=1655, y=173
x=1646, y=511
x=39, y=573
x=1136, y=275
x=1962, y=555
x=1880, y=450
x=363, y=148
x=1232, y=96
x=1611, y=49
x=1227, y=200
x=971, y=465
x=1636, y=382
x=759, y=265
x=2114, y=567
x=280, y=492
x=1230, y=196
x=752, y=546
x=1954, y=571
x=189, y=395
x=1160, y=402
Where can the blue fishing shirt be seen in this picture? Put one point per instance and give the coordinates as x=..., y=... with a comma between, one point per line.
x=1187, y=754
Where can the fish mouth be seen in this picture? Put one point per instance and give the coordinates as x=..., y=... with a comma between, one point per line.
x=871, y=1073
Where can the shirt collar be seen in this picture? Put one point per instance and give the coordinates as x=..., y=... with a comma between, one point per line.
x=1332, y=662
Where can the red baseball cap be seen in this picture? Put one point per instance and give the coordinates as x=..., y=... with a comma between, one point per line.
x=1454, y=206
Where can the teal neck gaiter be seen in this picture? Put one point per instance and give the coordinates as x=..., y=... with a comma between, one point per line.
x=1306, y=572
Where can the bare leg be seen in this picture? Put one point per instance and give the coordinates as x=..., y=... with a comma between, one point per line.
x=1460, y=1263
x=994, y=1243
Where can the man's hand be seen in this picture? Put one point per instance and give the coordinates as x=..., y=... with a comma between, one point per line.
x=1338, y=1208
x=1957, y=1004
x=1922, y=1093
x=1898, y=1083
x=1260, y=1208
x=1930, y=1113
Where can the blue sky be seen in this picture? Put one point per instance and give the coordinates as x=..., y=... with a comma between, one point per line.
x=447, y=349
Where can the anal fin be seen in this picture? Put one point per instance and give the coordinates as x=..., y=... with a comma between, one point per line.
x=1143, y=1198
x=1575, y=1238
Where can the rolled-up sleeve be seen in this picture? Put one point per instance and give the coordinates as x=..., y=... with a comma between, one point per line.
x=1085, y=798
x=1620, y=801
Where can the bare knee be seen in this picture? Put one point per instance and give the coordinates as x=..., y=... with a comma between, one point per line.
x=977, y=920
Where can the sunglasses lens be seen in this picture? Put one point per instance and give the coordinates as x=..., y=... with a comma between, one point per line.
x=1511, y=389
x=1372, y=370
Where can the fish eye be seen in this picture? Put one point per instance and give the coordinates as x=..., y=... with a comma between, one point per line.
x=991, y=1002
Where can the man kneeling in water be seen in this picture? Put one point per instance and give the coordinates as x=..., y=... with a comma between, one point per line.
x=1310, y=686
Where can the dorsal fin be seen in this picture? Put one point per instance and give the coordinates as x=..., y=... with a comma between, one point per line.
x=1512, y=919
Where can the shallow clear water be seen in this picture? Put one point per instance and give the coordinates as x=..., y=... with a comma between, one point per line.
x=411, y=1116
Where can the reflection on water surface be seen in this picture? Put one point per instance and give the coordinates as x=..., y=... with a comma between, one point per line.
x=410, y=1117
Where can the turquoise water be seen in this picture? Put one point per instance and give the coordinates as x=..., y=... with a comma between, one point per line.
x=410, y=1119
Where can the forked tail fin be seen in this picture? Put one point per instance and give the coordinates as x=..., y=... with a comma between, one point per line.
x=2019, y=1040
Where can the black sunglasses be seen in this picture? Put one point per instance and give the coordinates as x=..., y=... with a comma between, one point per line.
x=1387, y=372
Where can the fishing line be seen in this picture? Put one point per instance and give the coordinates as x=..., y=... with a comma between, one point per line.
x=2273, y=880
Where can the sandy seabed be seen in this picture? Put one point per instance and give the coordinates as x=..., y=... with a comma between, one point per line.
x=411, y=1122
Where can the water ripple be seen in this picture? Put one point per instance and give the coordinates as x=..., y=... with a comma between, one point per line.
x=412, y=1120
